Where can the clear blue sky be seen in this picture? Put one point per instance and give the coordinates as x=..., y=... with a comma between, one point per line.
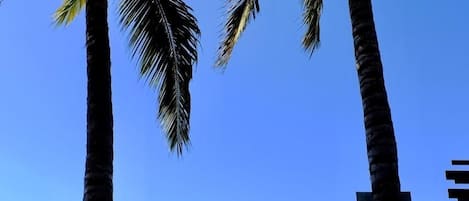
x=275, y=126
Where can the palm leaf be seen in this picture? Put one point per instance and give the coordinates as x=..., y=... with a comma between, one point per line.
x=239, y=14
x=67, y=12
x=164, y=38
x=311, y=16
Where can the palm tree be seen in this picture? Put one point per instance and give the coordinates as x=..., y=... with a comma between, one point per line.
x=381, y=143
x=164, y=38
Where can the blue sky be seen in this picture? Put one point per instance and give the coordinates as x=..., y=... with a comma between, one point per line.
x=275, y=126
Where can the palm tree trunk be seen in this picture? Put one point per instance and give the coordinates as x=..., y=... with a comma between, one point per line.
x=380, y=139
x=99, y=147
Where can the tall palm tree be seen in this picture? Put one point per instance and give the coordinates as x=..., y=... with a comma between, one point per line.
x=380, y=139
x=164, y=38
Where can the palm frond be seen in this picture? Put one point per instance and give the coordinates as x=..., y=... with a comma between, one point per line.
x=311, y=16
x=67, y=12
x=239, y=15
x=164, y=36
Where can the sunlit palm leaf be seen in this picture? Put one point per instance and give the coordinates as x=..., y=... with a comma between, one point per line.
x=311, y=16
x=67, y=12
x=239, y=14
x=164, y=38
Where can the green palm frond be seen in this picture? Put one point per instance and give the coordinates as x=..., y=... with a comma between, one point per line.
x=239, y=14
x=311, y=16
x=163, y=37
x=67, y=12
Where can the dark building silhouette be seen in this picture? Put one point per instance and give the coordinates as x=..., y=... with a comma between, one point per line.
x=366, y=196
x=459, y=177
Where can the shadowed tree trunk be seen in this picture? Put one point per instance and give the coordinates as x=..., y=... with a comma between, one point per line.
x=99, y=147
x=380, y=139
